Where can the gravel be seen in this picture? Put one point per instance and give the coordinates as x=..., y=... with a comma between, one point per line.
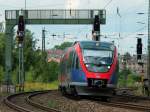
x=57, y=101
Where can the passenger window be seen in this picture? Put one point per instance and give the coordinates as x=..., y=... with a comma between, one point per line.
x=77, y=63
x=73, y=59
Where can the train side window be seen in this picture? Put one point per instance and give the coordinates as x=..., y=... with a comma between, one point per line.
x=73, y=59
x=77, y=63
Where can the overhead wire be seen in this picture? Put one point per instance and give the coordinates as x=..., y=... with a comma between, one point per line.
x=133, y=33
x=107, y=4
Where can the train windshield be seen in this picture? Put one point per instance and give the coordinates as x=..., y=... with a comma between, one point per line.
x=97, y=60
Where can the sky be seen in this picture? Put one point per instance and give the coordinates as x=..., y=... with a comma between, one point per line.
x=126, y=25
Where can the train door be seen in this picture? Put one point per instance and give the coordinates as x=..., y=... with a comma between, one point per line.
x=63, y=71
x=76, y=68
x=69, y=66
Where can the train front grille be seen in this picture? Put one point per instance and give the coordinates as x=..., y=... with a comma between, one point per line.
x=98, y=83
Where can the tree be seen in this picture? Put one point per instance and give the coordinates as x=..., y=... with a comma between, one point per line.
x=2, y=48
x=2, y=55
x=63, y=45
x=127, y=56
x=36, y=66
x=127, y=81
x=30, y=53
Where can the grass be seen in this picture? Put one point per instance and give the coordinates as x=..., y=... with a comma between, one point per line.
x=41, y=86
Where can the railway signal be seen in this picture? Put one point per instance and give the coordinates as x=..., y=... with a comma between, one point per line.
x=139, y=48
x=96, y=23
x=96, y=28
x=20, y=39
x=21, y=29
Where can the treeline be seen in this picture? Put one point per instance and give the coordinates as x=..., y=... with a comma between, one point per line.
x=37, y=69
x=2, y=56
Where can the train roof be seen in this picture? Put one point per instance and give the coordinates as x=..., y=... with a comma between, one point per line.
x=96, y=45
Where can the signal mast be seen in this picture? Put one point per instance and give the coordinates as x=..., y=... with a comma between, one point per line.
x=20, y=40
x=96, y=29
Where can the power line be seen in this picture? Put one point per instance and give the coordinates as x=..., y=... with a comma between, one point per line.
x=107, y=4
x=141, y=28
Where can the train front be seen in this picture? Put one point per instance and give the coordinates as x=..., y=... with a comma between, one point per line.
x=99, y=64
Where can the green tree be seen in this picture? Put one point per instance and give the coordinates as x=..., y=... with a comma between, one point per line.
x=2, y=55
x=29, y=54
x=63, y=45
x=127, y=81
x=127, y=56
x=1, y=74
x=2, y=48
x=36, y=66
x=54, y=68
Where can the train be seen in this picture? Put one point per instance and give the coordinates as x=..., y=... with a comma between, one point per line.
x=89, y=68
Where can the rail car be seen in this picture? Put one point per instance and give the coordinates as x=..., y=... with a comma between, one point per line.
x=89, y=68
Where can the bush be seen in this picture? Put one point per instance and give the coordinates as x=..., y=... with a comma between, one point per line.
x=126, y=76
x=1, y=74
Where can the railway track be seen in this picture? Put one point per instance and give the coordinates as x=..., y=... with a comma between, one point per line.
x=127, y=105
x=128, y=102
x=35, y=104
x=22, y=102
x=116, y=103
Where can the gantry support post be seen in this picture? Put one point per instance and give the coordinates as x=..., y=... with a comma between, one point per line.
x=8, y=55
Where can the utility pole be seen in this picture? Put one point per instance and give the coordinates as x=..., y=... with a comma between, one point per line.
x=148, y=65
x=53, y=35
x=43, y=39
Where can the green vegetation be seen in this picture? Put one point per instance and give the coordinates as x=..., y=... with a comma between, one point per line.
x=36, y=67
x=128, y=79
x=63, y=45
x=1, y=74
x=39, y=74
x=52, y=103
x=2, y=51
x=30, y=86
x=38, y=70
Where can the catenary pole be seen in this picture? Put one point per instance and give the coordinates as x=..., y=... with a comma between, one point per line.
x=148, y=69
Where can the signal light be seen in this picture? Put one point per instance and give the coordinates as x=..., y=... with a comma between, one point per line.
x=21, y=28
x=21, y=25
x=139, y=48
x=96, y=23
x=19, y=39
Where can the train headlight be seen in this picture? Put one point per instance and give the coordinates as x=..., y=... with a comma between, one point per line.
x=108, y=67
x=87, y=65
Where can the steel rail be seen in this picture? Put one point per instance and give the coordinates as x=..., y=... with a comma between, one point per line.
x=14, y=106
x=38, y=105
x=125, y=105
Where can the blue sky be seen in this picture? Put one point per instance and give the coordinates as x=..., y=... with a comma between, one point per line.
x=127, y=25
